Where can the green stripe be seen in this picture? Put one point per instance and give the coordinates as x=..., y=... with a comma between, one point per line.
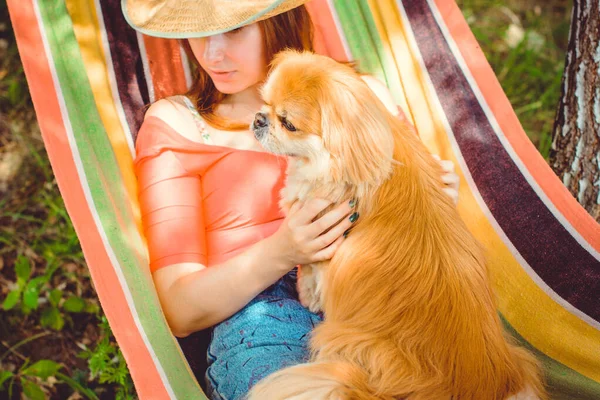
x=359, y=37
x=563, y=382
x=388, y=61
x=367, y=46
x=109, y=194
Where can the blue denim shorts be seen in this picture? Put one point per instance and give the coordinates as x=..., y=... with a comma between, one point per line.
x=268, y=334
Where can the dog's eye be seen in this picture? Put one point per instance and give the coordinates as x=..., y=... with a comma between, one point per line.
x=288, y=125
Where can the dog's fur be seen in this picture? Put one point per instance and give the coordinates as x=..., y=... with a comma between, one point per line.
x=409, y=312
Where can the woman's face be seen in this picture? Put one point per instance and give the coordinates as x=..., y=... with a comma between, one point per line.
x=234, y=60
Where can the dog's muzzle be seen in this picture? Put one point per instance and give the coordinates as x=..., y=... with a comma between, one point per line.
x=260, y=126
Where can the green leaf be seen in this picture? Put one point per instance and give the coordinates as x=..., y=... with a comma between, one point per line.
x=31, y=293
x=74, y=304
x=4, y=375
x=51, y=318
x=32, y=391
x=42, y=369
x=78, y=386
x=91, y=308
x=39, y=281
x=55, y=296
x=100, y=358
x=15, y=92
x=107, y=375
x=25, y=309
x=11, y=300
x=23, y=268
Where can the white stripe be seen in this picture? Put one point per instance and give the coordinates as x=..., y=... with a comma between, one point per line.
x=112, y=79
x=498, y=131
x=338, y=27
x=186, y=67
x=145, y=65
x=89, y=199
x=457, y=151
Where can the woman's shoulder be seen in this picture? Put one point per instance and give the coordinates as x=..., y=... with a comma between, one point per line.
x=382, y=92
x=173, y=112
x=168, y=126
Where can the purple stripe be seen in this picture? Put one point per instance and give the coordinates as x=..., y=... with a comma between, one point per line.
x=539, y=237
x=127, y=64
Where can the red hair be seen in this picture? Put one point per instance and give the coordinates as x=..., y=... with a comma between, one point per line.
x=290, y=30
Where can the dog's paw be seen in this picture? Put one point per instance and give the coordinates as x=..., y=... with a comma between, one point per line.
x=308, y=293
x=313, y=304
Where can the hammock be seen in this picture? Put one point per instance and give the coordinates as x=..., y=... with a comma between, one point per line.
x=90, y=76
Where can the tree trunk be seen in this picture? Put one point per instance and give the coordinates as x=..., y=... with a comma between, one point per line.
x=575, y=153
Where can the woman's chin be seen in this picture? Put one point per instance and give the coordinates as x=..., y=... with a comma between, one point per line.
x=229, y=87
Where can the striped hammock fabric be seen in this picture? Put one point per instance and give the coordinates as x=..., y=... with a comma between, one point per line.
x=91, y=75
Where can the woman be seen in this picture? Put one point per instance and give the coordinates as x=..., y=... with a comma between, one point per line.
x=222, y=255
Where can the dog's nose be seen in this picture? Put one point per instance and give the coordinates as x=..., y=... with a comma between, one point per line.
x=260, y=120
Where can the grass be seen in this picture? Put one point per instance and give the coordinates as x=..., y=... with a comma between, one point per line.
x=525, y=43
x=54, y=339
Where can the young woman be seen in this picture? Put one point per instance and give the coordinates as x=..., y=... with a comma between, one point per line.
x=222, y=254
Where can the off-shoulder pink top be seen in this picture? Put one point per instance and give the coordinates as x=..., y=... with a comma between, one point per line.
x=200, y=202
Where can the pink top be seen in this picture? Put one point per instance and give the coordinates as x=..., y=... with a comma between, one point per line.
x=200, y=202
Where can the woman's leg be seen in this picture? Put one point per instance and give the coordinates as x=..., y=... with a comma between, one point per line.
x=270, y=333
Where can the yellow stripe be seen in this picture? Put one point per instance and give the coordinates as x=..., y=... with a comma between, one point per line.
x=87, y=32
x=534, y=314
x=394, y=82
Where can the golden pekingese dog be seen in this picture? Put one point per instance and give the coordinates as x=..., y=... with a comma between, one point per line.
x=409, y=311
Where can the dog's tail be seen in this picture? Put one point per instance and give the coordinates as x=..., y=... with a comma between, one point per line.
x=337, y=380
x=529, y=376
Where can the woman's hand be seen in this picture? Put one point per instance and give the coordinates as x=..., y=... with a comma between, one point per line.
x=450, y=179
x=302, y=240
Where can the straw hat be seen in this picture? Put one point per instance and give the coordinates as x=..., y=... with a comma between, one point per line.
x=197, y=18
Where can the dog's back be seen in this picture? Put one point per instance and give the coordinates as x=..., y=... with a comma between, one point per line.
x=408, y=295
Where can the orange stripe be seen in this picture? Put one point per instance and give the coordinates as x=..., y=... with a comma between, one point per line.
x=166, y=68
x=319, y=41
x=496, y=99
x=327, y=37
x=106, y=282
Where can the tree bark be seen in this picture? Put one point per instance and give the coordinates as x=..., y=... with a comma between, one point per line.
x=575, y=153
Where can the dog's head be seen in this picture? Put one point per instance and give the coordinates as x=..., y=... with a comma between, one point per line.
x=322, y=113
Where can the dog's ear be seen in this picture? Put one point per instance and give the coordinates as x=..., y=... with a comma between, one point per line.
x=356, y=130
x=284, y=54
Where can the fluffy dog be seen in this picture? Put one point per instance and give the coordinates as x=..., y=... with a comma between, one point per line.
x=409, y=311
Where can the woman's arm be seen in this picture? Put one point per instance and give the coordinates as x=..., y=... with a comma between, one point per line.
x=194, y=297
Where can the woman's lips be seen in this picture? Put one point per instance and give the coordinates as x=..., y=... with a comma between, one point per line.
x=222, y=75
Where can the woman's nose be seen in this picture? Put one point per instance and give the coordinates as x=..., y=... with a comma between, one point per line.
x=214, y=49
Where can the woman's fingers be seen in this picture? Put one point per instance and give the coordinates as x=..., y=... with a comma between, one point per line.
x=328, y=252
x=329, y=219
x=317, y=240
x=336, y=232
x=310, y=209
x=295, y=207
x=453, y=194
x=451, y=180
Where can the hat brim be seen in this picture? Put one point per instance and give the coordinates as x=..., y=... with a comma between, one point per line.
x=275, y=8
